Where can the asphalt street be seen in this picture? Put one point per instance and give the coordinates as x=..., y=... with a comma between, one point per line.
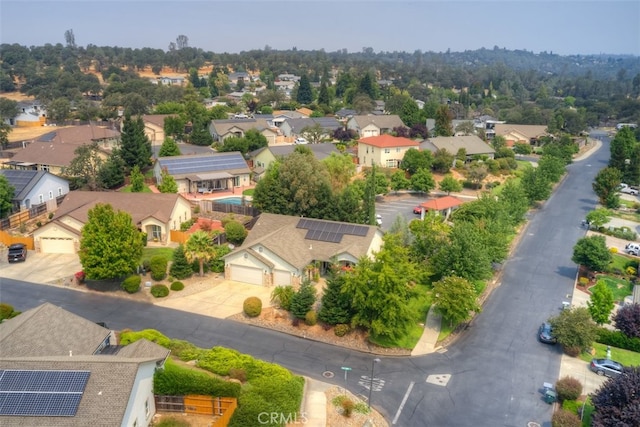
x=490, y=376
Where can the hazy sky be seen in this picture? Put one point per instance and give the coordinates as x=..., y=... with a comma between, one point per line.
x=564, y=27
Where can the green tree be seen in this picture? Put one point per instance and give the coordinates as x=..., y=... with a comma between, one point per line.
x=606, y=185
x=477, y=172
x=522, y=148
x=410, y=114
x=399, y=181
x=169, y=148
x=366, y=86
x=59, y=110
x=592, y=252
x=536, y=185
x=429, y=236
x=137, y=180
x=111, y=174
x=598, y=217
x=303, y=300
x=200, y=248
x=313, y=133
x=450, y=185
x=281, y=296
x=600, y=303
x=423, y=181
x=180, y=267
x=135, y=147
x=415, y=159
x=5, y=130
x=235, y=231
x=515, y=201
x=442, y=161
x=305, y=93
x=110, y=244
x=335, y=307
x=443, y=120
x=380, y=291
x=455, y=298
x=323, y=96
x=86, y=165
x=552, y=167
x=574, y=329
x=341, y=169
x=168, y=183
x=7, y=193
x=622, y=148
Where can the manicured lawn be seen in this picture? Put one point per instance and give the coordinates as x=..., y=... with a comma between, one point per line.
x=620, y=287
x=148, y=253
x=248, y=192
x=626, y=357
x=620, y=262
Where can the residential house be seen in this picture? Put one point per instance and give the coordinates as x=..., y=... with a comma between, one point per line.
x=34, y=187
x=59, y=369
x=488, y=124
x=295, y=127
x=205, y=173
x=155, y=214
x=30, y=113
x=471, y=144
x=522, y=134
x=266, y=258
x=154, y=127
x=379, y=107
x=385, y=150
x=442, y=206
x=263, y=157
x=345, y=114
x=169, y=80
x=374, y=125
x=226, y=128
x=238, y=76
x=55, y=150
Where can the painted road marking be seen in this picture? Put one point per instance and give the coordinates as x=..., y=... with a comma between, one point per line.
x=404, y=400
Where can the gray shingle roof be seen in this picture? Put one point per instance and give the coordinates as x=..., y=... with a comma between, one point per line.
x=471, y=143
x=384, y=121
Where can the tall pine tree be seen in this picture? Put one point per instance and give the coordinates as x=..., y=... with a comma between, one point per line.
x=336, y=305
x=135, y=145
x=180, y=267
x=305, y=94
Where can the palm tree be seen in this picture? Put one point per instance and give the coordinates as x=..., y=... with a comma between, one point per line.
x=199, y=247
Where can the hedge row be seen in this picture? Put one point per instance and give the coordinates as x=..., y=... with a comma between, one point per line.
x=176, y=380
x=618, y=339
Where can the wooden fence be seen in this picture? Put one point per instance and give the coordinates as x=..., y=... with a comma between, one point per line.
x=7, y=239
x=220, y=407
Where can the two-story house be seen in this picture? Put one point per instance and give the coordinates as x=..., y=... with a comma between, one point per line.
x=386, y=151
x=374, y=125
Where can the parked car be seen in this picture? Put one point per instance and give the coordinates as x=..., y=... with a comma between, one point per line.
x=300, y=141
x=545, y=334
x=607, y=367
x=417, y=210
x=632, y=249
x=17, y=252
x=629, y=190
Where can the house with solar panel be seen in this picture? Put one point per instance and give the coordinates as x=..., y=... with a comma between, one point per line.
x=59, y=369
x=267, y=258
x=205, y=173
x=34, y=187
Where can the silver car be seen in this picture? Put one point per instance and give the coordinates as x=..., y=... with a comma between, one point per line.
x=607, y=367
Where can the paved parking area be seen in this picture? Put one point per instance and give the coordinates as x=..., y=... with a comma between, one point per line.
x=41, y=268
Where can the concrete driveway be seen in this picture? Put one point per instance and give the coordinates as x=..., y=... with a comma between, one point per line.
x=42, y=268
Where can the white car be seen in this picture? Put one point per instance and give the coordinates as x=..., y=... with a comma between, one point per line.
x=629, y=190
x=379, y=220
x=300, y=141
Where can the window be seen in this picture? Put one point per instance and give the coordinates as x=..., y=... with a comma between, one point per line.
x=44, y=167
x=40, y=198
x=59, y=191
x=156, y=232
x=387, y=150
x=50, y=195
x=398, y=150
x=146, y=407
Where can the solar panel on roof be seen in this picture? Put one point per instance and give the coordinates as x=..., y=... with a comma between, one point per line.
x=41, y=393
x=323, y=236
x=195, y=164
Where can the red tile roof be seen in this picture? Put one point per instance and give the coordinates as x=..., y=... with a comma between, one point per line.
x=387, y=141
x=442, y=203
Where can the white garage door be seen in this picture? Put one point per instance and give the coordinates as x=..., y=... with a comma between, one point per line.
x=244, y=274
x=59, y=245
x=281, y=277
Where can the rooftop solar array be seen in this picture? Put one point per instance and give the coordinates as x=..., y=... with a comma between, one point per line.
x=195, y=164
x=326, y=231
x=18, y=178
x=41, y=393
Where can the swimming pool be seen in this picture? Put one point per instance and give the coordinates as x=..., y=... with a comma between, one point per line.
x=233, y=200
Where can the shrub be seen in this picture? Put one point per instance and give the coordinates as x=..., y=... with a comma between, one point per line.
x=631, y=271
x=238, y=374
x=347, y=407
x=177, y=286
x=584, y=281
x=158, y=265
x=627, y=319
x=7, y=311
x=146, y=264
x=311, y=318
x=282, y=296
x=618, y=339
x=572, y=406
x=568, y=388
x=252, y=306
x=171, y=422
x=572, y=350
x=341, y=330
x=562, y=418
x=131, y=284
x=613, y=250
x=295, y=322
x=159, y=291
